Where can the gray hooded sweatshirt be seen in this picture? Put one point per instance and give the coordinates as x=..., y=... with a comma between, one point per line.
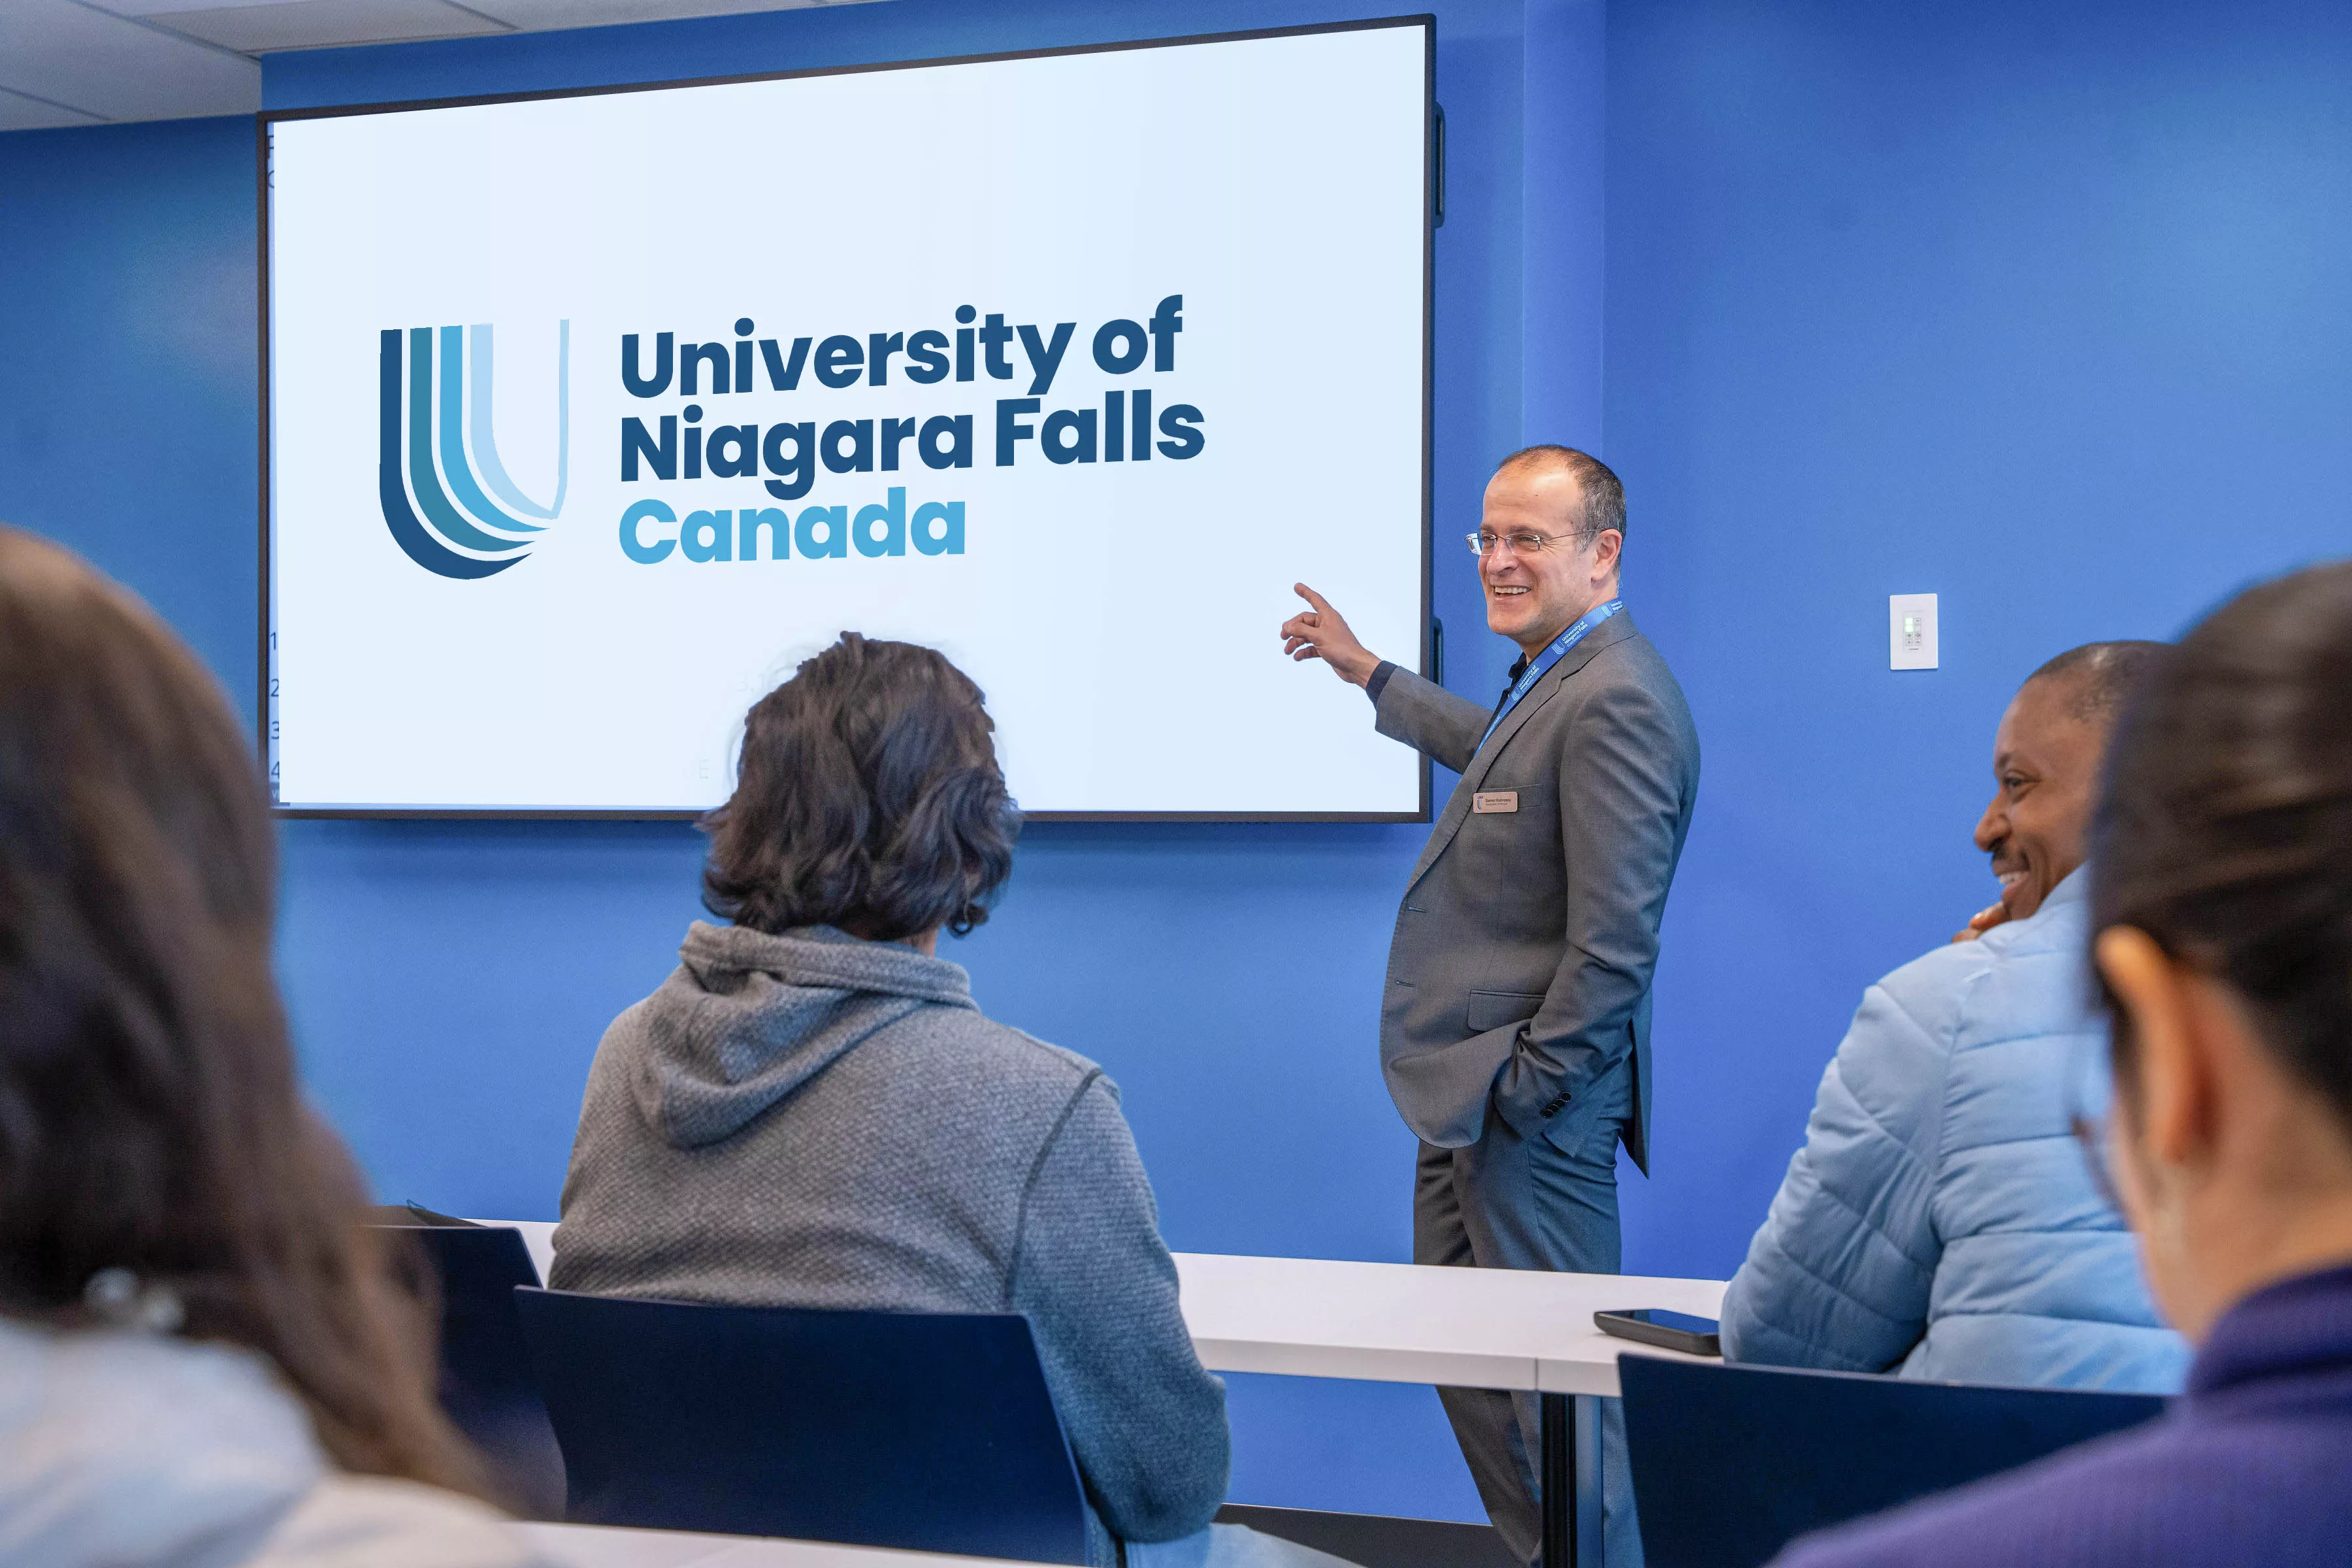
x=812, y=1120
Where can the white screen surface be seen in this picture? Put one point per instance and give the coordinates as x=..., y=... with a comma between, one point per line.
x=479, y=630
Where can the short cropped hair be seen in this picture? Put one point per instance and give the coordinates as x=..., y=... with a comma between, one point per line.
x=2103, y=674
x=868, y=798
x=1604, y=496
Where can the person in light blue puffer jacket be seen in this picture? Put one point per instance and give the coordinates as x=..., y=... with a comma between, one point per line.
x=1940, y=1220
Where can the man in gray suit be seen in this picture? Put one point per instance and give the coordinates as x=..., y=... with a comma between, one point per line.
x=1515, y=1030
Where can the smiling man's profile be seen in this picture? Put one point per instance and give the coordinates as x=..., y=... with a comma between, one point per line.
x=1938, y=1220
x=2046, y=767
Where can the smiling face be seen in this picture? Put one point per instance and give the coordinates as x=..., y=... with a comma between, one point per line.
x=2045, y=764
x=1532, y=599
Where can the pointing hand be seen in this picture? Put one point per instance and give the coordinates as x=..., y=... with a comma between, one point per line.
x=1322, y=633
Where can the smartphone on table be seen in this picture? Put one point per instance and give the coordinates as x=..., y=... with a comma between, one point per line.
x=1668, y=1331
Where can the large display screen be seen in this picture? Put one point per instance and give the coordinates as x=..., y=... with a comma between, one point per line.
x=591, y=415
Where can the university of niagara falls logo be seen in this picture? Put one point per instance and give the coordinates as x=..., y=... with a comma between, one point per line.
x=463, y=531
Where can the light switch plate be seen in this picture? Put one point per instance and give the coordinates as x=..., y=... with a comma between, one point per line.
x=1911, y=631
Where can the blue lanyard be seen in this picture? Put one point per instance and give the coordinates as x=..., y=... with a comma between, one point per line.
x=1545, y=659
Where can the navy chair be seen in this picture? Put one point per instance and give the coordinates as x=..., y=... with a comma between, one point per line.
x=1731, y=1463
x=486, y=1386
x=926, y=1431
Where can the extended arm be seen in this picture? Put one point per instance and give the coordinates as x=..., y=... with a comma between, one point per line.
x=1146, y=1423
x=1406, y=707
x=1838, y=1276
x=1621, y=780
x=1428, y=718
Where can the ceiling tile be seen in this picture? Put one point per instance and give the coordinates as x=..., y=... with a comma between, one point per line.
x=316, y=24
x=172, y=8
x=68, y=62
x=18, y=113
x=160, y=8
x=117, y=69
x=538, y=14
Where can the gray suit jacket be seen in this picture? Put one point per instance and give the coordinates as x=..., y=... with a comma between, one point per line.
x=1520, y=968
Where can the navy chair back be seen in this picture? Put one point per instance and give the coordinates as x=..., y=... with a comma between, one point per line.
x=1731, y=1463
x=487, y=1385
x=926, y=1431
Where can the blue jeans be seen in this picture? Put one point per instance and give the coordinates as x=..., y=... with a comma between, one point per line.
x=1546, y=1202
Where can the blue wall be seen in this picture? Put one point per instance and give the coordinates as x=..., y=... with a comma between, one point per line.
x=127, y=353
x=2040, y=309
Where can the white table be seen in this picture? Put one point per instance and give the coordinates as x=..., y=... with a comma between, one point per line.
x=1516, y=1329
x=1393, y=1322
x=599, y=1546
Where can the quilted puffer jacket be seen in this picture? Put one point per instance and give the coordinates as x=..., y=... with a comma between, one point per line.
x=1940, y=1219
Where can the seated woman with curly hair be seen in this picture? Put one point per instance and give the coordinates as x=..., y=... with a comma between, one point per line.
x=812, y=1110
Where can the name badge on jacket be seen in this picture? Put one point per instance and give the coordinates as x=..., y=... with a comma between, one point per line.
x=1491, y=799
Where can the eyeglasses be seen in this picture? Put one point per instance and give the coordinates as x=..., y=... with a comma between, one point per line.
x=1482, y=542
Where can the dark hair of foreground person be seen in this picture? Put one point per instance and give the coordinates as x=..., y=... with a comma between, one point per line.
x=150, y=1119
x=2226, y=833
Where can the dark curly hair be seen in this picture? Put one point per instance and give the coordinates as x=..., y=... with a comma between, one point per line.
x=868, y=798
x=2225, y=832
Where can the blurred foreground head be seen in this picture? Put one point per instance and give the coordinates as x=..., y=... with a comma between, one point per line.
x=2221, y=872
x=151, y=1121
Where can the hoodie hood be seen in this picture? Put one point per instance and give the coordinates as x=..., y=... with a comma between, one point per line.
x=747, y=1019
x=121, y=1450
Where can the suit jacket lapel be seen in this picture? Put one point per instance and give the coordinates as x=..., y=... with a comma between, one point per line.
x=1615, y=629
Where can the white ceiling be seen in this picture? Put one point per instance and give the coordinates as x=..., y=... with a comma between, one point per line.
x=90, y=62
